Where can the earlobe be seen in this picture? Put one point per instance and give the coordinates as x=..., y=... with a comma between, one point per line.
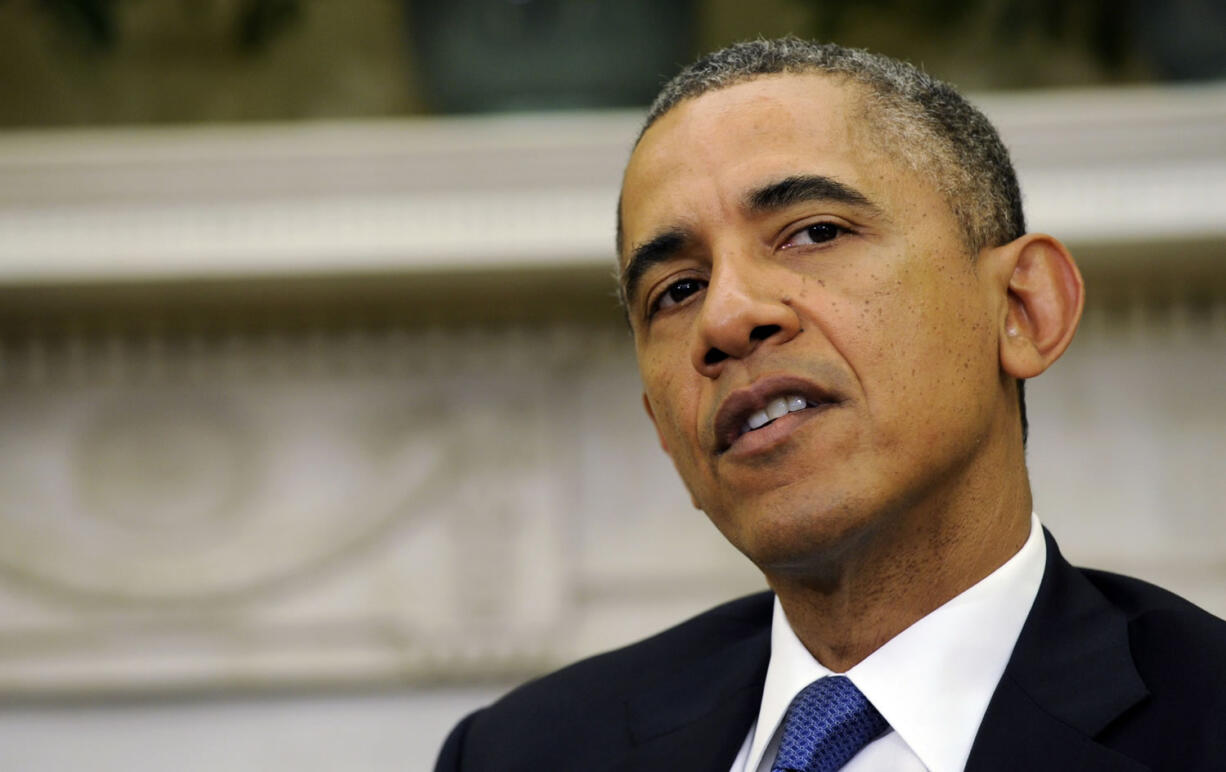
x=1045, y=296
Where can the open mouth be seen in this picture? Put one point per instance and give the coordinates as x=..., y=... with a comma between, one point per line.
x=776, y=408
x=751, y=409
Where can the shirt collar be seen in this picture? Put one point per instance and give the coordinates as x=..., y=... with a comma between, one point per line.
x=932, y=681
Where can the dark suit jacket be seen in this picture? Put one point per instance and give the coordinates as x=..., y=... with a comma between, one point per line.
x=1109, y=673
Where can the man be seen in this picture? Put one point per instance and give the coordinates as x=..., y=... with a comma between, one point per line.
x=834, y=304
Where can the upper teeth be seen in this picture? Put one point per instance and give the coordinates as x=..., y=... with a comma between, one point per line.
x=776, y=408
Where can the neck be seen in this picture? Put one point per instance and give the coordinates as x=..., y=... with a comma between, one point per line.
x=886, y=579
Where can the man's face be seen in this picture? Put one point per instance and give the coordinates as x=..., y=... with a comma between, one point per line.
x=780, y=268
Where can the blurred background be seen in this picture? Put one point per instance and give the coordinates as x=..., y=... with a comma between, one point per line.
x=319, y=424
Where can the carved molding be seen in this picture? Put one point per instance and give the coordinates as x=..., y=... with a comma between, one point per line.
x=401, y=499
x=421, y=505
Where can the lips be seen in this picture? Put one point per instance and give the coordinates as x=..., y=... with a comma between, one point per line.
x=757, y=406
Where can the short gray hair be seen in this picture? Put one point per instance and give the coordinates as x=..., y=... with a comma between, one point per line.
x=918, y=119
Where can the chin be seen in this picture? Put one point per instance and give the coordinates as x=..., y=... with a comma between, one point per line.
x=796, y=539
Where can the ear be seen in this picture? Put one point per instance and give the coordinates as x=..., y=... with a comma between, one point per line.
x=1044, y=295
x=651, y=414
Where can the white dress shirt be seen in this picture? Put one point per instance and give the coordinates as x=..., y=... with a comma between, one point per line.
x=932, y=682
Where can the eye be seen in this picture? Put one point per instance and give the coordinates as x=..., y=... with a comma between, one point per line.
x=817, y=233
x=676, y=293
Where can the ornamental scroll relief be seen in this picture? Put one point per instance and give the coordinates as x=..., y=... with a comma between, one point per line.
x=323, y=507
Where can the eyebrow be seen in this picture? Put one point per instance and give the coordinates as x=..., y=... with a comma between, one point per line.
x=805, y=188
x=660, y=249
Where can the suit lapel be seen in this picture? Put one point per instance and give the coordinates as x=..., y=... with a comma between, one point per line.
x=698, y=719
x=1071, y=674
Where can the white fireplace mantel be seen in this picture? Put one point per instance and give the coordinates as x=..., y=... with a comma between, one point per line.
x=1099, y=168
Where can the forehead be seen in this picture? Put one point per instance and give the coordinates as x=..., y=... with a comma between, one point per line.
x=776, y=108
x=724, y=142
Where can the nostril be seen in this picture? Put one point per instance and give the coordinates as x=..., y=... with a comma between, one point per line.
x=764, y=331
x=714, y=356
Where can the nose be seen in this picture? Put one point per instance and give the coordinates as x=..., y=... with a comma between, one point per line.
x=743, y=309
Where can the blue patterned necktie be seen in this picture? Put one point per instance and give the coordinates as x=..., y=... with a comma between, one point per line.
x=827, y=724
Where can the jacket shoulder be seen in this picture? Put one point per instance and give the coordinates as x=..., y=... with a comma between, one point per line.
x=1137, y=596
x=1167, y=620
x=1178, y=649
x=1161, y=620
x=617, y=673
x=582, y=707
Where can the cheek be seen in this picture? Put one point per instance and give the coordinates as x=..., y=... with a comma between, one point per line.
x=920, y=338
x=670, y=403
x=941, y=367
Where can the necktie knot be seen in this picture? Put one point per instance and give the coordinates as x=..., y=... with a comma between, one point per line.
x=828, y=722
